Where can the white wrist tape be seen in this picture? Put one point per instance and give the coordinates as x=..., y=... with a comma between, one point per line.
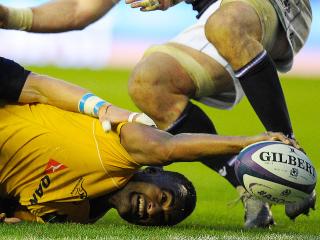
x=20, y=18
x=90, y=104
x=131, y=116
x=142, y=118
x=106, y=125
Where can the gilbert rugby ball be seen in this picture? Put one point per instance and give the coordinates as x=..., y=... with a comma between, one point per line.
x=275, y=172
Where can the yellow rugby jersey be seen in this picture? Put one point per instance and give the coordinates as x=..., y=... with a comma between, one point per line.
x=50, y=156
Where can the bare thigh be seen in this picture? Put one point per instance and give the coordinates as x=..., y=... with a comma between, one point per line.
x=218, y=75
x=161, y=85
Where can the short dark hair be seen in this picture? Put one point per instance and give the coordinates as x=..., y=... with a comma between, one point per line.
x=183, y=190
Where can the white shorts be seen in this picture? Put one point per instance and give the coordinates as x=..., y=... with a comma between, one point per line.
x=195, y=38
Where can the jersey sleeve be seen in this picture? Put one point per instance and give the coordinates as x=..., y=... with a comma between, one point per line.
x=12, y=79
x=120, y=125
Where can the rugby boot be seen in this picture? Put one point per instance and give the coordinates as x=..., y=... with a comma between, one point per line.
x=295, y=209
x=257, y=213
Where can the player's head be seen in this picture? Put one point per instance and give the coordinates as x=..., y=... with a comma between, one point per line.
x=156, y=197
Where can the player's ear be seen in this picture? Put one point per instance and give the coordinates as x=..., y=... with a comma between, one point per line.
x=153, y=170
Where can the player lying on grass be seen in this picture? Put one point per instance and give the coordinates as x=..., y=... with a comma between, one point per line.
x=62, y=166
x=206, y=63
x=51, y=158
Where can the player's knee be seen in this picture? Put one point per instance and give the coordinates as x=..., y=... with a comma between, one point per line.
x=222, y=26
x=231, y=27
x=218, y=30
x=142, y=81
x=136, y=84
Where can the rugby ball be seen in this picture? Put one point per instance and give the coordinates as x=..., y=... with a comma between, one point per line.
x=275, y=172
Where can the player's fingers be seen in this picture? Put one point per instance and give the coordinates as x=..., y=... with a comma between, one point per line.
x=287, y=140
x=147, y=9
x=140, y=4
x=130, y=1
x=295, y=144
x=281, y=137
x=135, y=5
x=2, y=217
x=12, y=220
x=277, y=136
x=106, y=125
x=146, y=5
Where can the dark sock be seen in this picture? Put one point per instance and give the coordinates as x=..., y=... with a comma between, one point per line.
x=194, y=120
x=260, y=82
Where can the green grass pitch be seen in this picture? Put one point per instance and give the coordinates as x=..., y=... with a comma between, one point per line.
x=214, y=217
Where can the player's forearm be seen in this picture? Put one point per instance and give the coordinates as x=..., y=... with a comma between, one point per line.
x=55, y=16
x=150, y=146
x=64, y=15
x=196, y=147
x=47, y=90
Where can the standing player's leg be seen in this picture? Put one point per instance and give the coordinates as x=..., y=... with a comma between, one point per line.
x=162, y=84
x=249, y=42
x=252, y=42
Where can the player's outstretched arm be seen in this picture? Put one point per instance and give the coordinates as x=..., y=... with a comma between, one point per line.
x=149, y=146
x=20, y=85
x=47, y=90
x=55, y=16
x=67, y=96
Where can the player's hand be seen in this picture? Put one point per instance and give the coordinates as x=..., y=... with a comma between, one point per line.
x=3, y=16
x=4, y=219
x=278, y=136
x=151, y=5
x=110, y=116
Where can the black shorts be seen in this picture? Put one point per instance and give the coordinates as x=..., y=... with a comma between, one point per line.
x=12, y=79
